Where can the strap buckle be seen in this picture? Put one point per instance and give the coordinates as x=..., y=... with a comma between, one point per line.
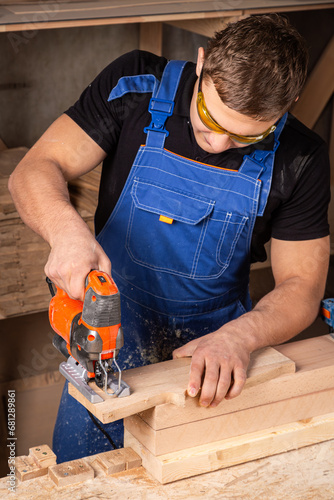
x=160, y=110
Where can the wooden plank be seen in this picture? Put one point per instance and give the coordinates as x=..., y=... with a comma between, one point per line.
x=230, y=452
x=23, y=253
x=205, y=27
x=288, y=8
x=12, y=23
x=36, y=464
x=314, y=359
x=189, y=435
x=115, y=461
x=75, y=471
x=318, y=89
x=33, y=2
x=167, y=382
x=43, y=455
x=150, y=37
x=60, y=15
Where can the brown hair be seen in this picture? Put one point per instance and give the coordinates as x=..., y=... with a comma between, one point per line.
x=258, y=65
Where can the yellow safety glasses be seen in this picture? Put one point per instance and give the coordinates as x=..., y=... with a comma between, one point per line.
x=211, y=124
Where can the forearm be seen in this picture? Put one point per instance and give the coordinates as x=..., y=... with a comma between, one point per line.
x=43, y=202
x=280, y=315
x=39, y=191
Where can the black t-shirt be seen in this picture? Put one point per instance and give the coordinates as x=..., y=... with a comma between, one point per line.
x=300, y=191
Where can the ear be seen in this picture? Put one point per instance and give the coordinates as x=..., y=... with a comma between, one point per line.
x=200, y=61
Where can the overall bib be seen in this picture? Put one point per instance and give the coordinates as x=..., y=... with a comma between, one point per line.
x=179, y=243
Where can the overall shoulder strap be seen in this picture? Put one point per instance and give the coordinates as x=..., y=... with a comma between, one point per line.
x=162, y=103
x=260, y=165
x=138, y=83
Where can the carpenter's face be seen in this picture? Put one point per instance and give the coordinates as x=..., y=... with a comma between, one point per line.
x=232, y=121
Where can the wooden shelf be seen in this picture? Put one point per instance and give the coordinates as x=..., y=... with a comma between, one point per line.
x=26, y=15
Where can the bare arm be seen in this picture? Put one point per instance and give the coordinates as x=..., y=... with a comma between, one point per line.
x=300, y=271
x=38, y=187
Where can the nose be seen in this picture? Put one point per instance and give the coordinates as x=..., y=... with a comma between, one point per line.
x=219, y=142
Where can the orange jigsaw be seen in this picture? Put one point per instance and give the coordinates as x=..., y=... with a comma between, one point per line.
x=90, y=335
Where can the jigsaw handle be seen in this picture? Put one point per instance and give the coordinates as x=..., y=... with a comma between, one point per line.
x=62, y=310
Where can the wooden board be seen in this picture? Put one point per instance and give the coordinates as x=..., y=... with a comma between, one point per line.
x=46, y=15
x=189, y=435
x=229, y=452
x=314, y=359
x=36, y=464
x=23, y=253
x=72, y=472
x=167, y=382
x=115, y=461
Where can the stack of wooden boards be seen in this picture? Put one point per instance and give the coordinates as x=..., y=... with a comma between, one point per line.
x=23, y=253
x=287, y=403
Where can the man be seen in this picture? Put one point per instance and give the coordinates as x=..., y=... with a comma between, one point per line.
x=195, y=181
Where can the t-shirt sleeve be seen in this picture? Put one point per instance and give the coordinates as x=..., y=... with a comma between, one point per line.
x=94, y=114
x=102, y=119
x=305, y=214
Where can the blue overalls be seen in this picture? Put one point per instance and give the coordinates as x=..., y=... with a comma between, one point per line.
x=179, y=242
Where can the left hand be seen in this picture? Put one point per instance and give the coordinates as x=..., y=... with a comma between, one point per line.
x=221, y=360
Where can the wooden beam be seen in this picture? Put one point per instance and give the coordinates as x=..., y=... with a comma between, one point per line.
x=150, y=37
x=167, y=382
x=180, y=437
x=318, y=89
x=115, y=461
x=76, y=471
x=37, y=16
x=314, y=359
x=205, y=27
x=36, y=464
x=230, y=452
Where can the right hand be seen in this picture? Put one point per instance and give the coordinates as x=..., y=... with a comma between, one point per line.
x=73, y=255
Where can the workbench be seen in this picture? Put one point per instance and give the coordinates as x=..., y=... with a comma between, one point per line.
x=302, y=474
x=282, y=447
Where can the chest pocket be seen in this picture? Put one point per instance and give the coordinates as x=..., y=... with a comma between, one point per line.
x=177, y=232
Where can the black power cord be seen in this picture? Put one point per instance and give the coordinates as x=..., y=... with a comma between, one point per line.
x=104, y=432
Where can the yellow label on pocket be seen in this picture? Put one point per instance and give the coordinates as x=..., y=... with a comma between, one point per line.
x=168, y=220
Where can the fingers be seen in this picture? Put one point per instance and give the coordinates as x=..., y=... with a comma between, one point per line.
x=240, y=377
x=197, y=368
x=71, y=280
x=68, y=265
x=217, y=377
x=219, y=383
x=186, y=350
